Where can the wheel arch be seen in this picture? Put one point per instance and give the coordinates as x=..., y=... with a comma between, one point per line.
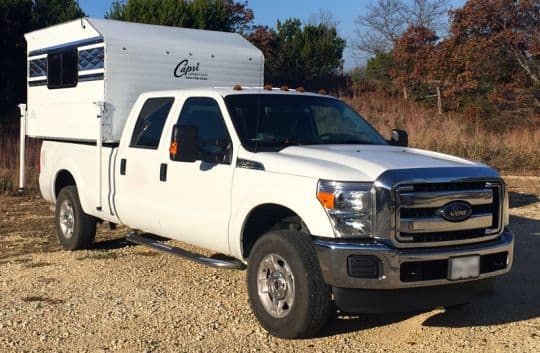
x=62, y=178
x=265, y=217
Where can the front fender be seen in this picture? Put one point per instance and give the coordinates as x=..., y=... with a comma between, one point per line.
x=252, y=188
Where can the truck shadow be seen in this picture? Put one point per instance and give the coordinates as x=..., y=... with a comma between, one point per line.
x=516, y=298
x=517, y=294
x=519, y=199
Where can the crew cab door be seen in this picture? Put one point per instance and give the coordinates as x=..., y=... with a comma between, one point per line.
x=138, y=166
x=198, y=194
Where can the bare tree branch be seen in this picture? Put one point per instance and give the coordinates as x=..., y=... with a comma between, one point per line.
x=386, y=20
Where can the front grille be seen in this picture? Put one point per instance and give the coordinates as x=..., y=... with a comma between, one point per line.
x=421, y=219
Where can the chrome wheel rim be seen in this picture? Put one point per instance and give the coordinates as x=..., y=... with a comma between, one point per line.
x=66, y=219
x=275, y=285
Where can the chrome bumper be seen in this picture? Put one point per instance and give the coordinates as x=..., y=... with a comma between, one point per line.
x=333, y=258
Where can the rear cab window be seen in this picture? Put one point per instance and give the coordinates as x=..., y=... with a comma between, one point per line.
x=150, y=122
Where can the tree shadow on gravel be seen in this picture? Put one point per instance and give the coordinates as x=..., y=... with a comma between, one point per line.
x=516, y=298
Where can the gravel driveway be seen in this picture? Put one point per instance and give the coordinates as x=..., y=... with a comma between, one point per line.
x=123, y=298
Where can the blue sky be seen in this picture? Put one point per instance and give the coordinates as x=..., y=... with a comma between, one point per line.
x=267, y=12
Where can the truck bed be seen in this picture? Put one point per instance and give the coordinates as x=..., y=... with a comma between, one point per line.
x=58, y=157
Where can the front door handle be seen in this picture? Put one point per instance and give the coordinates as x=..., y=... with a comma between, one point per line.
x=123, y=166
x=163, y=172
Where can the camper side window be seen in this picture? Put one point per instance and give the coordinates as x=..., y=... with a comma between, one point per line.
x=149, y=125
x=63, y=68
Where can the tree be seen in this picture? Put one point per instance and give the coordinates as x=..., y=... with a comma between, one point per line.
x=50, y=12
x=16, y=18
x=386, y=20
x=493, y=52
x=412, y=57
x=308, y=55
x=218, y=15
x=490, y=61
x=15, y=21
x=265, y=39
x=379, y=70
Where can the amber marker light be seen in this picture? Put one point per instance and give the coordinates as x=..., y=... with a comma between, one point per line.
x=326, y=199
x=173, y=148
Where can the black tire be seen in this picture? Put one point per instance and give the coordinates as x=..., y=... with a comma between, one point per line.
x=456, y=307
x=310, y=306
x=83, y=226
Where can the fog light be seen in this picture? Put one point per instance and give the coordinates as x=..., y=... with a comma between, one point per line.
x=363, y=266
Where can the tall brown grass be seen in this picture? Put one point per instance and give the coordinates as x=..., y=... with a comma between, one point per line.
x=510, y=149
x=9, y=160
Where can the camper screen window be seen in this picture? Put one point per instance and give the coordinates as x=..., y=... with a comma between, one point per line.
x=63, y=68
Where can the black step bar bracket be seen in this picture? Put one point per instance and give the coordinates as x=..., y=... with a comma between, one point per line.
x=223, y=263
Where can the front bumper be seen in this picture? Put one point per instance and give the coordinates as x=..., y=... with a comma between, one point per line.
x=334, y=254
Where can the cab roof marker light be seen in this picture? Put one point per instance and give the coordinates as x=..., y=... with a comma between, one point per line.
x=237, y=88
x=300, y=89
x=268, y=87
x=284, y=88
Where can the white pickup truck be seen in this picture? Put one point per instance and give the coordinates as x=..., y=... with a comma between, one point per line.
x=297, y=187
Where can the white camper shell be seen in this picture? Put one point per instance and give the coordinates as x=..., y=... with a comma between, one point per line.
x=93, y=68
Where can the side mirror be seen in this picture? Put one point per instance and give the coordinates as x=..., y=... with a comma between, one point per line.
x=399, y=138
x=185, y=144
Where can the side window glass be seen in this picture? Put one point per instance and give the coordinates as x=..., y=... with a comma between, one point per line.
x=63, y=68
x=214, y=142
x=149, y=125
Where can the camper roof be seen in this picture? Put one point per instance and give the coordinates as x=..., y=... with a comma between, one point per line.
x=136, y=33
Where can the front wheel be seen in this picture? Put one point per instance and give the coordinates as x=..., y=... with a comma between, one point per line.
x=75, y=229
x=285, y=285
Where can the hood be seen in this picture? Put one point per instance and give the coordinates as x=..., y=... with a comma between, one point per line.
x=353, y=162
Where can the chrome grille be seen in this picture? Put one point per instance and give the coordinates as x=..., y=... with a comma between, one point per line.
x=418, y=218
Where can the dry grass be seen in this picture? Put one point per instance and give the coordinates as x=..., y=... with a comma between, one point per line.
x=513, y=150
x=509, y=150
x=9, y=161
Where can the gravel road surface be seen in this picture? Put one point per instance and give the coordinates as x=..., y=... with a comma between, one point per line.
x=123, y=298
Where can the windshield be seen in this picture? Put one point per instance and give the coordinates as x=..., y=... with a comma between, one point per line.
x=271, y=122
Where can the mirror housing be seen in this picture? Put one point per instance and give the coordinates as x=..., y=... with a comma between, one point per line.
x=399, y=138
x=185, y=144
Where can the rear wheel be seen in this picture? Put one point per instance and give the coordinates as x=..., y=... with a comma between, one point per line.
x=286, y=289
x=75, y=229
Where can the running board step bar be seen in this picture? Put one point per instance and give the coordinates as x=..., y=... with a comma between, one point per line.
x=226, y=263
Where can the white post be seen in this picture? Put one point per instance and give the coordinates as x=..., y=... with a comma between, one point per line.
x=22, y=148
x=99, y=154
x=439, y=101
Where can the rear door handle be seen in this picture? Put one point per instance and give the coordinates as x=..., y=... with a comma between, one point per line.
x=163, y=172
x=123, y=166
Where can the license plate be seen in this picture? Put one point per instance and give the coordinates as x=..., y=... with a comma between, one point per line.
x=464, y=267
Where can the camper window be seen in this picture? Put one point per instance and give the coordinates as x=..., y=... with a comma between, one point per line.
x=63, y=68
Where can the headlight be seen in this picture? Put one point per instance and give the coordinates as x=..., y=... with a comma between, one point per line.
x=349, y=207
x=506, y=207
